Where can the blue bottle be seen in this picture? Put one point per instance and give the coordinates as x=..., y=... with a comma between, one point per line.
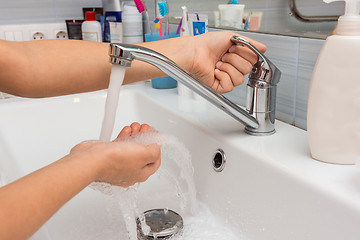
x=112, y=13
x=110, y=17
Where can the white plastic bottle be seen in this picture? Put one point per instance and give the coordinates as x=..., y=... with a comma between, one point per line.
x=132, y=24
x=91, y=29
x=184, y=31
x=333, y=119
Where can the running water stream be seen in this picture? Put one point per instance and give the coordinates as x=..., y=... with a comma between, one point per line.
x=112, y=99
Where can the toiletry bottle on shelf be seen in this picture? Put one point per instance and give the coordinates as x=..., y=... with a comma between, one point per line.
x=231, y=15
x=113, y=21
x=91, y=29
x=74, y=29
x=333, y=119
x=184, y=31
x=132, y=24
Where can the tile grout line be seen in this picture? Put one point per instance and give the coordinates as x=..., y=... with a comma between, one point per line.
x=296, y=77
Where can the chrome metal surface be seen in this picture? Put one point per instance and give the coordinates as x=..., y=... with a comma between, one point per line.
x=295, y=11
x=124, y=54
x=118, y=56
x=219, y=160
x=261, y=91
x=163, y=224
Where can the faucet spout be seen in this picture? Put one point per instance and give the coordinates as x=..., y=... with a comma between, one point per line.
x=124, y=54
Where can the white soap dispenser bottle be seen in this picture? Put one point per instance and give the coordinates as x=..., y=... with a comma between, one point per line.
x=333, y=120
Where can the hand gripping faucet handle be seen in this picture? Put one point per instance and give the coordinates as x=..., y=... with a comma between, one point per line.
x=261, y=91
x=263, y=70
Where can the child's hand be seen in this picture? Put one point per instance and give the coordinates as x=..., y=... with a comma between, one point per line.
x=121, y=163
x=132, y=131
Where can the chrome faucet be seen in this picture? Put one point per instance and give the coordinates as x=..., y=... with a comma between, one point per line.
x=259, y=116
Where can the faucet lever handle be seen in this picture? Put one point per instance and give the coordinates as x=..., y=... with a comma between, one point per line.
x=263, y=69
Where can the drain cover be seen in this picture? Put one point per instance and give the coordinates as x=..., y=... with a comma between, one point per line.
x=163, y=224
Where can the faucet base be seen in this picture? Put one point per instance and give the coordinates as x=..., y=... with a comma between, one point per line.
x=253, y=132
x=266, y=124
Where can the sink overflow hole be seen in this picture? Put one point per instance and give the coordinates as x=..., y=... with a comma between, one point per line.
x=219, y=160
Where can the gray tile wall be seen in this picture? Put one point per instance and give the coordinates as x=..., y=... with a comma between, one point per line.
x=309, y=50
x=34, y=11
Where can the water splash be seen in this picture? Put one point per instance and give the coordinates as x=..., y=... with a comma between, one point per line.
x=176, y=171
x=205, y=225
x=174, y=180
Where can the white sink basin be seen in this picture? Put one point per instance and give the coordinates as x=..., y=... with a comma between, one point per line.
x=270, y=187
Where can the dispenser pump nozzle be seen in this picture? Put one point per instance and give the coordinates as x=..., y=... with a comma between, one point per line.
x=349, y=23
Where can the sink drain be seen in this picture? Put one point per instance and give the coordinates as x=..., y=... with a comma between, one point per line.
x=219, y=160
x=163, y=224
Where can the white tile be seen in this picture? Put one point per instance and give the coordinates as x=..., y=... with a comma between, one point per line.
x=309, y=51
